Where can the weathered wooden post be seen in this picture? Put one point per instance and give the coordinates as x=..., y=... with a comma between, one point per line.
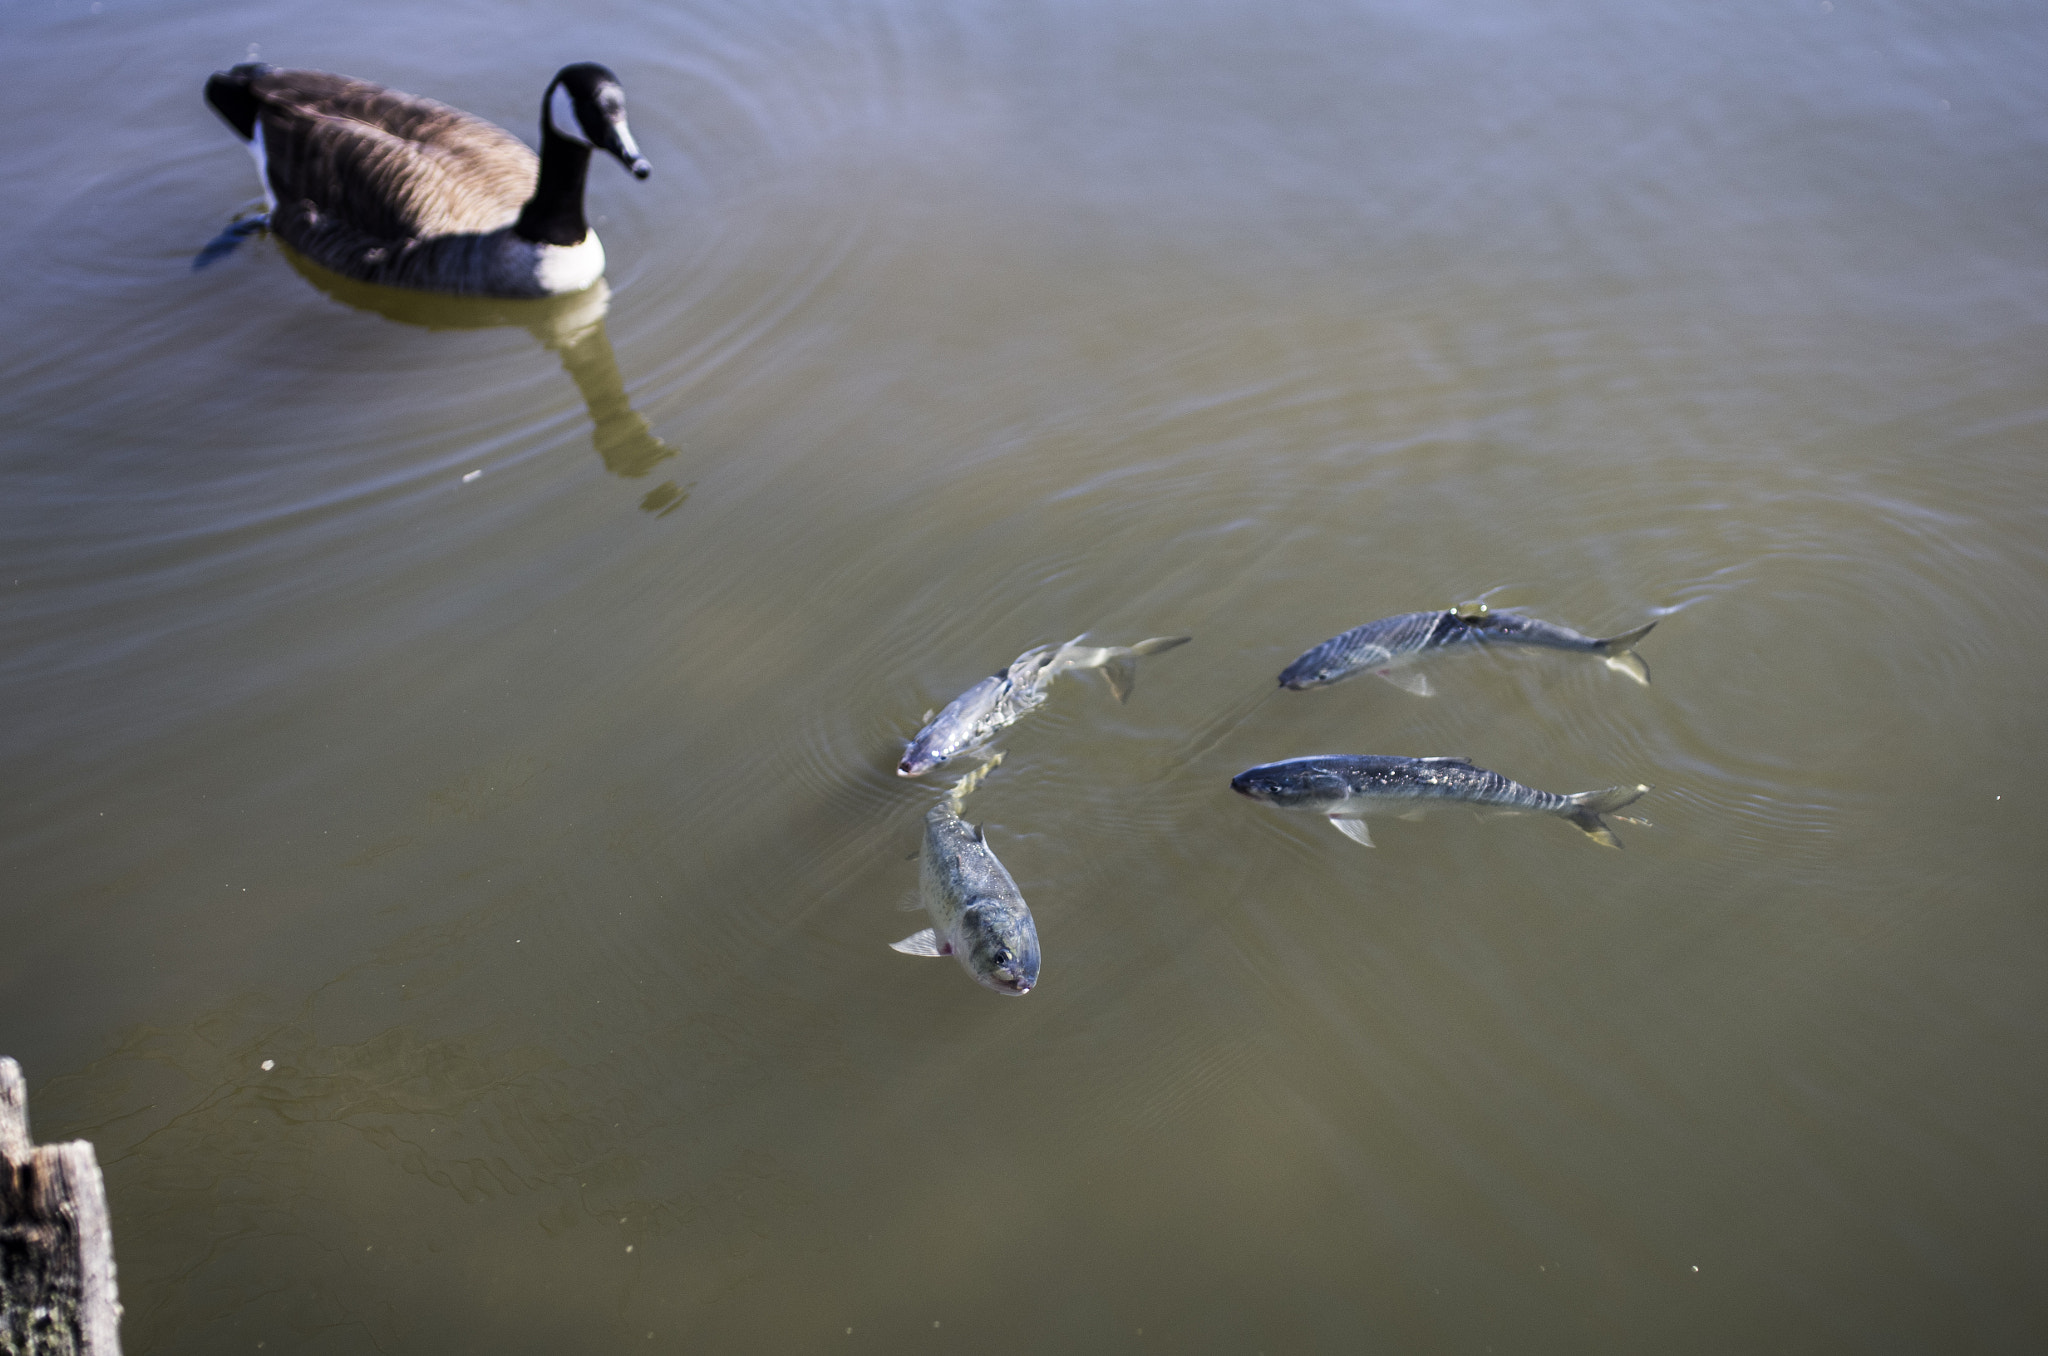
x=56, y=1246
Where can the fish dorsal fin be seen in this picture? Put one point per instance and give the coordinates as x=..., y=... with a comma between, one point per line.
x=923, y=942
x=1352, y=828
x=981, y=834
x=1407, y=680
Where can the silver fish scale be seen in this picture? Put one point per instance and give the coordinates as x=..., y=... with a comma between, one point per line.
x=963, y=866
x=976, y=909
x=1392, y=641
x=1436, y=779
x=1403, y=634
x=1002, y=699
x=1389, y=638
x=1525, y=631
x=1028, y=682
x=991, y=705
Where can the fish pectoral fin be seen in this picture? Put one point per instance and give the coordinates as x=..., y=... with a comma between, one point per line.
x=1351, y=828
x=1417, y=683
x=923, y=942
x=928, y=714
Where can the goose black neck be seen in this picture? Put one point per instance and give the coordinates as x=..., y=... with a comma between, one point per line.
x=554, y=214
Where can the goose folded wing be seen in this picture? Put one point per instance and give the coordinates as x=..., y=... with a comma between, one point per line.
x=394, y=166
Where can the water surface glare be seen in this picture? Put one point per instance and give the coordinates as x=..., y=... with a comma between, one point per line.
x=486, y=716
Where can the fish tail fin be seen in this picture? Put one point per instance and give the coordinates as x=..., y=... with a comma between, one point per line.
x=1586, y=807
x=956, y=799
x=1122, y=671
x=1618, y=653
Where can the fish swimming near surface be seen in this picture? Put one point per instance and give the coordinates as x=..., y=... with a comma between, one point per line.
x=978, y=915
x=1385, y=648
x=1347, y=787
x=1000, y=700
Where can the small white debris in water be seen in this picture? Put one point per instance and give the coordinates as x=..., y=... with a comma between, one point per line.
x=472, y=475
x=935, y=1323
x=269, y=1064
x=629, y=1248
x=1695, y=1268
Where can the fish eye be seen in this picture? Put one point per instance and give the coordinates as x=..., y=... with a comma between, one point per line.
x=1000, y=956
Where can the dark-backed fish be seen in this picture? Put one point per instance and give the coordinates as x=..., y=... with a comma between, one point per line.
x=1385, y=648
x=1000, y=700
x=1346, y=788
x=978, y=914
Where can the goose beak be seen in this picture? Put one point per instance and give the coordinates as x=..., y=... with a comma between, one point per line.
x=627, y=151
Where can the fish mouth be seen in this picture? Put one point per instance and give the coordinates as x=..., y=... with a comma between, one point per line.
x=1245, y=786
x=1005, y=981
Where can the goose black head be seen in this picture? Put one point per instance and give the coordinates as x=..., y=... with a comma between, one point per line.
x=586, y=104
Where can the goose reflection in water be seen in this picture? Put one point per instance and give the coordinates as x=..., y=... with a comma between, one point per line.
x=572, y=326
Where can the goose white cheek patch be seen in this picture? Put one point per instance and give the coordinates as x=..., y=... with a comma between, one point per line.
x=262, y=167
x=562, y=115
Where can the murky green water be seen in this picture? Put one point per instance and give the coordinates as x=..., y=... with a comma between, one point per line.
x=539, y=830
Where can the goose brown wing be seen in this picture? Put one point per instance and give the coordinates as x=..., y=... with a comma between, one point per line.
x=392, y=165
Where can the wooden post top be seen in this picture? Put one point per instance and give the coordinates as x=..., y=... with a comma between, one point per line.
x=57, y=1292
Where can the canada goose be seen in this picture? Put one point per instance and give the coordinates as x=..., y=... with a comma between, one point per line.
x=388, y=188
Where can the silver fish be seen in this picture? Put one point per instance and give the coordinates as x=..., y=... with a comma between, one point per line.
x=1347, y=787
x=978, y=914
x=1387, y=646
x=977, y=715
